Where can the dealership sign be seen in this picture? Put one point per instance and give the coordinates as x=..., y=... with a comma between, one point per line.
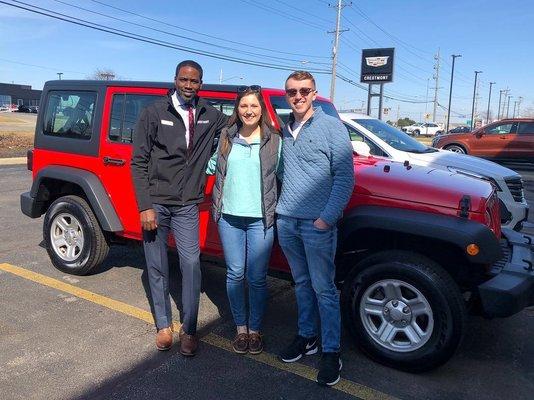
x=377, y=65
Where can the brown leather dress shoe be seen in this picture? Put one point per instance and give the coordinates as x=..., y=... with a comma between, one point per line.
x=255, y=343
x=240, y=343
x=164, y=339
x=188, y=344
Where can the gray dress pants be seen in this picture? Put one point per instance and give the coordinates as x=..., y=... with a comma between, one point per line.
x=184, y=223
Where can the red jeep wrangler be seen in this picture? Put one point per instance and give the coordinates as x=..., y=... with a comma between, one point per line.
x=417, y=247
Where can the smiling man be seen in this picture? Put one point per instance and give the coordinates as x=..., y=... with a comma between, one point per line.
x=173, y=142
x=317, y=184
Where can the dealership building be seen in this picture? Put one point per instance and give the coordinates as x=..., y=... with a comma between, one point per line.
x=18, y=94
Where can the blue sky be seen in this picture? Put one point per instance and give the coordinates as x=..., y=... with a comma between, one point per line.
x=492, y=36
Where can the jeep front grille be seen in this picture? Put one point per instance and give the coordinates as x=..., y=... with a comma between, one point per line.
x=515, y=184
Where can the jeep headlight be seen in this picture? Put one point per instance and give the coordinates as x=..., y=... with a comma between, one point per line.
x=475, y=175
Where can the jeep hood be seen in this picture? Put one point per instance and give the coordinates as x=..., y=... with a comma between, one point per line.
x=420, y=185
x=445, y=158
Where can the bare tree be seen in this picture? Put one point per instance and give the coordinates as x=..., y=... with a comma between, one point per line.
x=103, y=74
x=527, y=111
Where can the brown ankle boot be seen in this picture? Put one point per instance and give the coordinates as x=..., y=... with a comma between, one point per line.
x=164, y=339
x=188, y=344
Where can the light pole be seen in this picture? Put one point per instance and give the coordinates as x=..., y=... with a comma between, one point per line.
x=454, y=57
x=489, y=101
x=508, y=106
x=474, y=96
x=59, y=75
x=515, y=105
x=499, y=110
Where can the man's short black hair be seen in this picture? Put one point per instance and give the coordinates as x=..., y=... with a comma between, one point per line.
x=192, y=64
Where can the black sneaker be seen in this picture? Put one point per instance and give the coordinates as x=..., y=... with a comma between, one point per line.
x=329, y=369
x=300, y=346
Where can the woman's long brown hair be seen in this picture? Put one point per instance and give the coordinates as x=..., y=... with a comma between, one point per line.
x=266, y=123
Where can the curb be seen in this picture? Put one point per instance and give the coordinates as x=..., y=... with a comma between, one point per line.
x=13, y=161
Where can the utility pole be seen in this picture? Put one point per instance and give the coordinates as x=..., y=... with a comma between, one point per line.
x=426, y=98
x=335, y=49
x=454, y=57
x=499, y=109
x=474, y=95
x=436, y=78
x=518, y=106
x=59, y=75
x=489, y=102
x=508, y=106
x=515, y=105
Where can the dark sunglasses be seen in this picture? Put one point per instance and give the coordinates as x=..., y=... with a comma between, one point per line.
x=304, y=92
x=251, y=88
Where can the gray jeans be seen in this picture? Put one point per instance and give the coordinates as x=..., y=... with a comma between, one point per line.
x=183, y=222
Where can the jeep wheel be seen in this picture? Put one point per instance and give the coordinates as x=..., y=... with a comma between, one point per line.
x=74, y=240
x=416, y=132
x=455, y=148
x=403, y=310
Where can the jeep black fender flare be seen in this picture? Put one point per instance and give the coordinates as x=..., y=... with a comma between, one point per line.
x=91, y=186
x=457, y=231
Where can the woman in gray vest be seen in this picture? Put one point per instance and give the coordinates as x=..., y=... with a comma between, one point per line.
x=244, y=200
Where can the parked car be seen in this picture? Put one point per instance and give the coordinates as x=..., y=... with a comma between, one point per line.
x=417, y=246
x=23, y=108
x=424, y=128
x=386, y=141
x=34, y=109
x=460, y=129
x=507, y=139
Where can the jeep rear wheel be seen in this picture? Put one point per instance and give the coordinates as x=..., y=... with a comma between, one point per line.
x=403, y=310
x=74, y=240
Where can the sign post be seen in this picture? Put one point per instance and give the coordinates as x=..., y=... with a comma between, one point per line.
x=377, y=68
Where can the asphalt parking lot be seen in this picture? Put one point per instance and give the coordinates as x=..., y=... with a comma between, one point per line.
x=69, y=337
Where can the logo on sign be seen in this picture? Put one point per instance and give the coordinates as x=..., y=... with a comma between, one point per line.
x=376, y=61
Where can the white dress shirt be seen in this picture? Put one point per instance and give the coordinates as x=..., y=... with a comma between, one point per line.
x=182, y=109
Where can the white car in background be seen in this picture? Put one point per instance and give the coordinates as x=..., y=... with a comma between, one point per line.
x=387, y=141
x=426, y=128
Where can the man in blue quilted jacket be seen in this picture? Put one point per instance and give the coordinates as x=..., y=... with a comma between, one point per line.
x=317, y=183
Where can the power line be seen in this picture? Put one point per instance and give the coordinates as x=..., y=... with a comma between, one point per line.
x=181, y=36
x=204, y=34
x=147, y=39
x=291, y=17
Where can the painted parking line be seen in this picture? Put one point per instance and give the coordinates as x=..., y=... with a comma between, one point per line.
x=304, y=371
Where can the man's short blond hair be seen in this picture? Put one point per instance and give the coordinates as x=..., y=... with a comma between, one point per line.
x=301, y=76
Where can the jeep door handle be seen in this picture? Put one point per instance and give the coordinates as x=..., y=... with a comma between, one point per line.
x=114, y=161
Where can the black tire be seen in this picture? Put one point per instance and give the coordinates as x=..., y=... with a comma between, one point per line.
x=438, y=288
x=455, y=148
x=416, y=132
x=94, y=248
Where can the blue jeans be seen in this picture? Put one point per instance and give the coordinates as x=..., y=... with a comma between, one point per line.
x=310, y=253
x=247, y=247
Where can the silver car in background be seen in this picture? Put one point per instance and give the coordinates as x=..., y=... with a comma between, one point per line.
x=387, y=141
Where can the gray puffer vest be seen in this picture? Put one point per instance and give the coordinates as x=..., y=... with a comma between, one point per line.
x=269, y=146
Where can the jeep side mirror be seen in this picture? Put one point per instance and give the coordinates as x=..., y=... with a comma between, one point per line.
x=361, y=148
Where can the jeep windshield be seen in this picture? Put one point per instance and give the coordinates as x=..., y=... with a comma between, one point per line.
x=394, y=137
x=282, y=108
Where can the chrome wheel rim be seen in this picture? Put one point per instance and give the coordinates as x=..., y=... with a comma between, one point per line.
x=396, y=315
x=456, y=149
x=66, y=237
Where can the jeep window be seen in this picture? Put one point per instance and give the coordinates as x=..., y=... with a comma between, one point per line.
x=70, y=114
x=125, y=111
x=502, y=129
x=392, y=136
x=225, y=106
x=283, y=109
x=356, y=136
